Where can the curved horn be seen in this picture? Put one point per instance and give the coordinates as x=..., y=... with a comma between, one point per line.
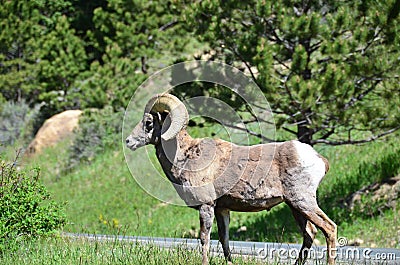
x=177, y=110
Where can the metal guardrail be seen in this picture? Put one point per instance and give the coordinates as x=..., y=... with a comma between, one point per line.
x=282, y=252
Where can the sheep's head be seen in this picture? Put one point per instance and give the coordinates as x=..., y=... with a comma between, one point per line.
x=164, y=116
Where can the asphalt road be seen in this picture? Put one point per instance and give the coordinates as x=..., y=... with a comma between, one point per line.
x=283, y=252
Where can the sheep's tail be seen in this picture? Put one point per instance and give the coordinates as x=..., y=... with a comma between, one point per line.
x=326, y=162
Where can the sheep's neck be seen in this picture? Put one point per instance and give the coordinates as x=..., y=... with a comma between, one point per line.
x=170, y=152
x=184, y=140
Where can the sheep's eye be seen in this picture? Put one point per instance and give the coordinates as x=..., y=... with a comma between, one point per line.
x=149, y=125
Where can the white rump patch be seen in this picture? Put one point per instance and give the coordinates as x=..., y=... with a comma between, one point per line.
x=311, y=162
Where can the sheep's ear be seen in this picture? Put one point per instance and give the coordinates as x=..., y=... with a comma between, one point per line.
x=159, y=116
x=162, y=115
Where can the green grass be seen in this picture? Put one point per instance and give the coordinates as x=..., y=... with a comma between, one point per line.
x=380, y=231
x=61, y=250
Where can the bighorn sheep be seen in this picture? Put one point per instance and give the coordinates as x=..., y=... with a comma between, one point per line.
x=216, y=176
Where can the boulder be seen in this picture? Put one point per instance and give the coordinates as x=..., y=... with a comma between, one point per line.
x=54, y=130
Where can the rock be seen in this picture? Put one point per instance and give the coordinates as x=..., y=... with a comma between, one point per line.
x=241, y=229
x=388, y=191
x=317, y=242
x=357, y=242
x=54, y=130
x=192, y=233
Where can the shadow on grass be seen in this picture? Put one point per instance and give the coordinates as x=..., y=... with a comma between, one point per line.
x=278, y=225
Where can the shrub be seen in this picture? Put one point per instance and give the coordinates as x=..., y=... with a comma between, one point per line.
x=26, y=208
x=17, y=122
x=98, y=130
x=2, y=102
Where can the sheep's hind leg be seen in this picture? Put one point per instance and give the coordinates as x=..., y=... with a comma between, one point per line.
x=309, y=231
x=222, y=216
x=206, y=213
x=311, y=211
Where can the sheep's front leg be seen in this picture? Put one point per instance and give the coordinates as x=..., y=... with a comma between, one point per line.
x=222, y=216
x=206, y=220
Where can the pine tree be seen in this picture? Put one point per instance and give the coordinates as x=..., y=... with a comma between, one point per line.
x=62, y=60
x=19, y=24
x=329, y=69
x=40, y=55
x=133, y=38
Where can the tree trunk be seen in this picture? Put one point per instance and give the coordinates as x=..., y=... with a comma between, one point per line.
x=304, y=133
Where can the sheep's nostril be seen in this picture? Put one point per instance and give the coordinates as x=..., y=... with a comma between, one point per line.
x=127, y=141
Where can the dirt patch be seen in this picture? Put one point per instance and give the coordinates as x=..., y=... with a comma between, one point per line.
x=382, y=194
x=54, y=130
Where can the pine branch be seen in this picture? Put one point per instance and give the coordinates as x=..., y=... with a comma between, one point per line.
x=289, y=130
x=255, y=117
x=350, y=141
x=362, y=94
x=371, y=41
x=315, y=46
x=280, y=62
x=248, y=66
x=143, y=63
x=259, y=135
x=288, y=91
x=329, y=133
x=168, y=25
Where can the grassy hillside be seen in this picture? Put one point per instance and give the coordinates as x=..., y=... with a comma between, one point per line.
x=103, y=197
